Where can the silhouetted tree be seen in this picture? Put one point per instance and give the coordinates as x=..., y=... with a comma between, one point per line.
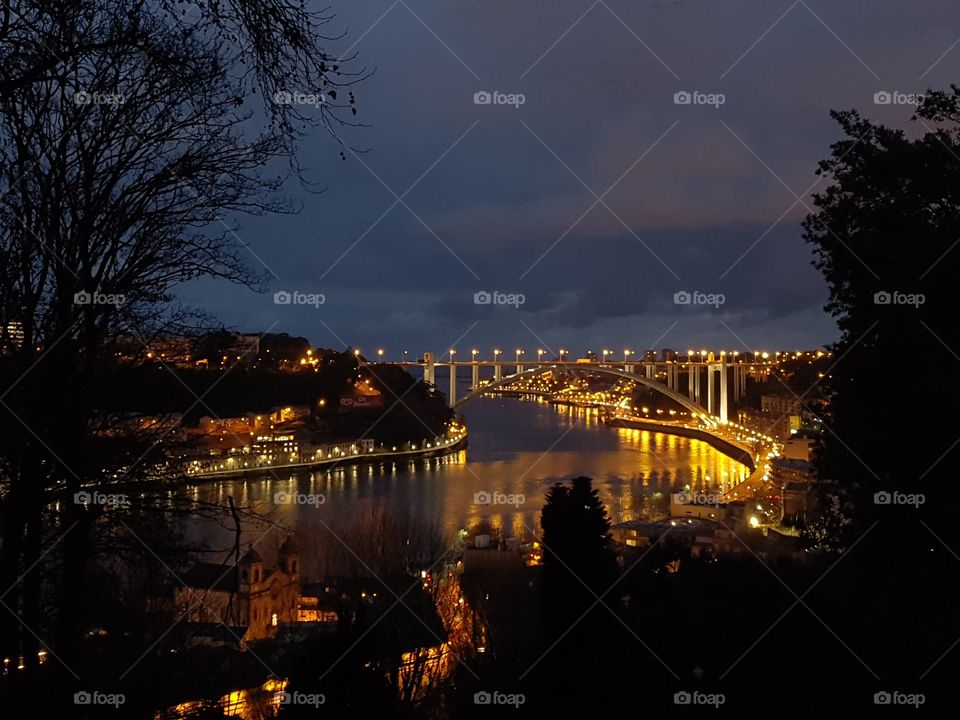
x=885, y=236
x=127, y=132
x=578, y=562
x=884, y=233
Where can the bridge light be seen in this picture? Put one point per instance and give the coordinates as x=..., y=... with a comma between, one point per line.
x=380, y=353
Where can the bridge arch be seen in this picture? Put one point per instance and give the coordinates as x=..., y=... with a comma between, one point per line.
x=680, y=399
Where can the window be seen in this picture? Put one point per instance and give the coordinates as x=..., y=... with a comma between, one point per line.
x=273, y=619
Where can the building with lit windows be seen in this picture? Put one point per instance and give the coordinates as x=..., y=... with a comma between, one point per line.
x=277, y=448
x=12, y=334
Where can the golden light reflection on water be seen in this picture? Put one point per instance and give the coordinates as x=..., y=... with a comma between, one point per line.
x=246, y=704
x=517, y=448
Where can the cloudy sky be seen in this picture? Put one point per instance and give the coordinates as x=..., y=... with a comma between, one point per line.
x=600, y=197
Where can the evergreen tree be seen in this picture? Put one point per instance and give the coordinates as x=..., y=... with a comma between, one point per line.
x=578, y=562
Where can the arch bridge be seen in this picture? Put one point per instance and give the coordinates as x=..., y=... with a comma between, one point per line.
x=726, y=377
x=494, y=385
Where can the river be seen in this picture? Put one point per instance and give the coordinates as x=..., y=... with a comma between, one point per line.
x=517, y=449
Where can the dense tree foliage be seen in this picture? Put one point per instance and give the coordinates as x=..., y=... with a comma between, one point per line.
x=884, y=233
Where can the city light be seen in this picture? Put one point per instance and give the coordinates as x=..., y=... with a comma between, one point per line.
x=142, y=392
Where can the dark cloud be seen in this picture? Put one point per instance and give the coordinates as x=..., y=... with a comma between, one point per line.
x=705, y=198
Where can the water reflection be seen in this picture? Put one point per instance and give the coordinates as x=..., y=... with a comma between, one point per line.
x=518, y=448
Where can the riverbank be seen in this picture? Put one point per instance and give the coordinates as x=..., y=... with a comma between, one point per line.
x=236, y=467
x=729, y=448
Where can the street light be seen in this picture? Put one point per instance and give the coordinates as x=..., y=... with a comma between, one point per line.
x=452, y=353
x=626, y=354
x=496, y=353
x=540, y=352
x=605, y=353
x=562, y=353
x=380, y=354
x=519, y=353
x=405, y=352
x=473, y=354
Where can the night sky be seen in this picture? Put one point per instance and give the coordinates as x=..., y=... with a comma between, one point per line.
x=599, y=197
